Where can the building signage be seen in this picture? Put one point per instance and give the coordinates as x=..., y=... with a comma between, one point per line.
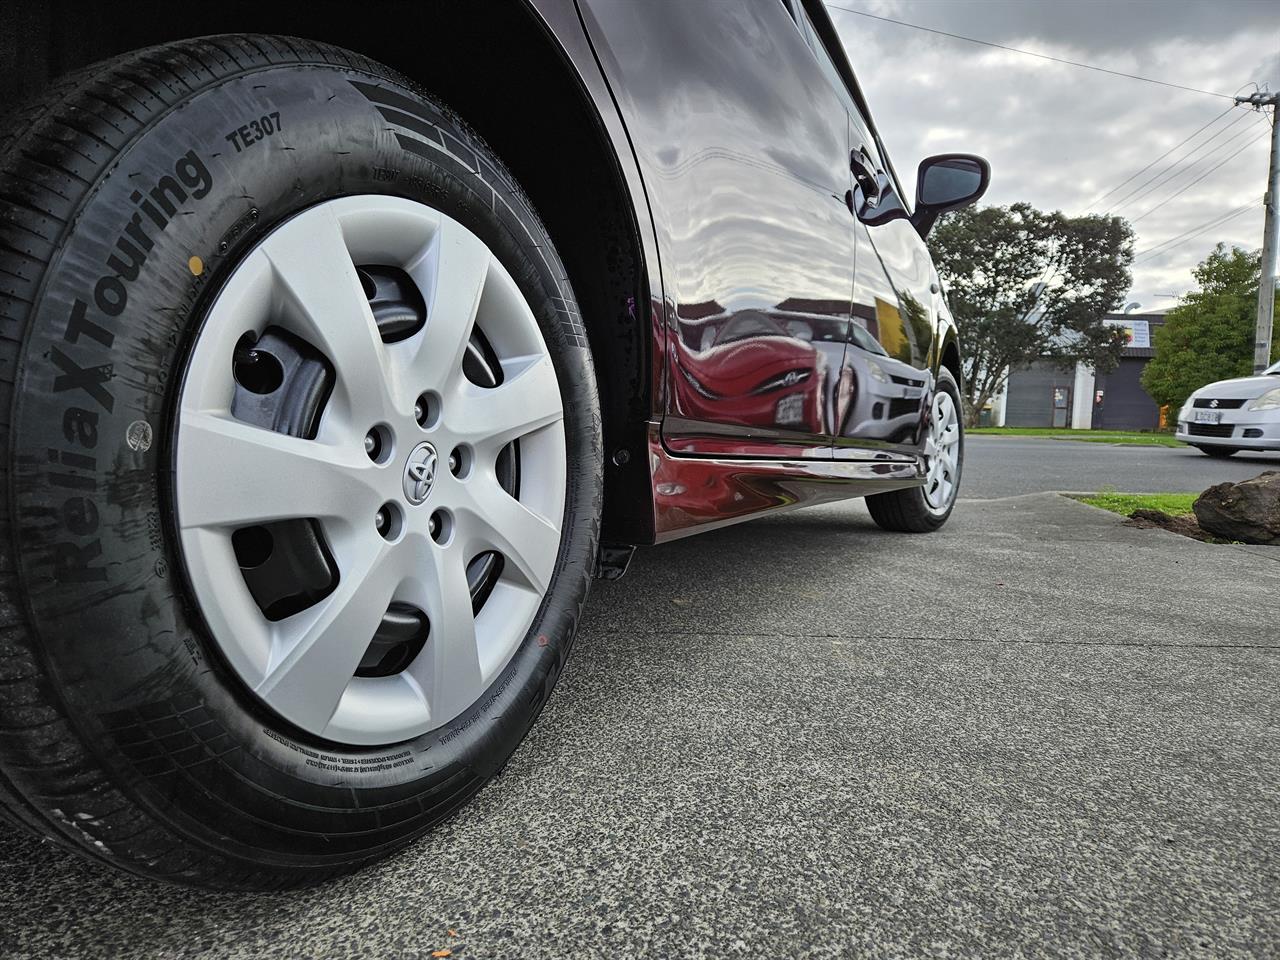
x=1138, y=331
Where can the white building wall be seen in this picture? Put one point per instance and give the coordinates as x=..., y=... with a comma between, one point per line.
x=1082, y=398
x=998, y=404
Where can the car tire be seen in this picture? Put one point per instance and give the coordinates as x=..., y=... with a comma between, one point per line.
x=926, y=508
x=1218, y=453
x=133, y=198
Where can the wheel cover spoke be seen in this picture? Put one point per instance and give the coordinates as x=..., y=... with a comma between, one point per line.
x=325, y=304
x=457, y=270
x=450, y=672
x=319, y=657
x=528, y=399
x=303, y=478
x=398, y=526
x=489, y=518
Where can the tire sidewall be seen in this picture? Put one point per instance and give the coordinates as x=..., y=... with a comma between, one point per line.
x=91, y=449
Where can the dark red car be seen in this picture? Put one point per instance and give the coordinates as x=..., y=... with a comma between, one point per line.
x=325, y=402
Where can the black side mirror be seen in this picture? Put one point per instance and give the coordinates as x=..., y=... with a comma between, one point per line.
x=948, y=181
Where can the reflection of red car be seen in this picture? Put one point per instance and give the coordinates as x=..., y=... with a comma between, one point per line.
x=749, y=370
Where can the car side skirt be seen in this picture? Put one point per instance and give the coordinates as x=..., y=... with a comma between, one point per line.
x=696, y=494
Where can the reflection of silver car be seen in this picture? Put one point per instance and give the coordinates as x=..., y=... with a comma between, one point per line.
x=1231, y=415
x=886, y=393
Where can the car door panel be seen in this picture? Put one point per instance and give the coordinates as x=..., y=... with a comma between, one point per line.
x=744, y=150
x=886, y=377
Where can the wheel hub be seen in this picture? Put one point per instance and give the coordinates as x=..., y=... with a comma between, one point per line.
x=359, y=329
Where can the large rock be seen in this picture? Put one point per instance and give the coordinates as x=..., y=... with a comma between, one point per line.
x=1248, y=511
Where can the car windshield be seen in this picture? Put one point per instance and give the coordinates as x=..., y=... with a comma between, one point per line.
x=866, y=341
x=1273, y=370
x=746, y=327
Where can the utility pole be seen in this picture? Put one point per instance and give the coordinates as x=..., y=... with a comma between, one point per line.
x=1270, y=236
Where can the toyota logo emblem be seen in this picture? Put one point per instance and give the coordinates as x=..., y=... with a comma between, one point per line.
x=420, y=473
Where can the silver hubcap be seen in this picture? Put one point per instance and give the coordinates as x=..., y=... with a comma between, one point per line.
x=942, y=454
x=402, y=526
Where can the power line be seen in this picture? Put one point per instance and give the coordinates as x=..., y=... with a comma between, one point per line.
x=1198, y=228
x=1155, y=253
x=1183, y=190
x=1164, y=247
x=1147, y=256
x=1186, y=139
x=1028, y=53
x=1172, y=172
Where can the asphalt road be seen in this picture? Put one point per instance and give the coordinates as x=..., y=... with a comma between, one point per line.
x=1036, y=733
x=1010, y=466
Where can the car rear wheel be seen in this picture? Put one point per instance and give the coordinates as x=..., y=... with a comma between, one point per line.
x=304, y=458
x=926, y=508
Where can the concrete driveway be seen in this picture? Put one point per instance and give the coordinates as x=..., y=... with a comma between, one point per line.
x=1038, y=732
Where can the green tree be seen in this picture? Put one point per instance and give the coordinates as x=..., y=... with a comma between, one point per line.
x=1209, y=335
x=1026, y=285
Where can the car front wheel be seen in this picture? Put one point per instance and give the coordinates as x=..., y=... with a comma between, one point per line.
x=304, y=460
x=926, y=508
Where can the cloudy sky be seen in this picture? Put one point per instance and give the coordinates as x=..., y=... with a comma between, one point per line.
x=1059, y=136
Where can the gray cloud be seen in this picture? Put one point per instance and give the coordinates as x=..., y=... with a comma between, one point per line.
x=1059, y=136
x=1096, y=25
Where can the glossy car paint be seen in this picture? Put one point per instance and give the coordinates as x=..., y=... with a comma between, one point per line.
x=743, y=147
x=794, y=332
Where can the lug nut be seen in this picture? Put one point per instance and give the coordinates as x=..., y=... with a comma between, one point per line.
x=440, y=526
x=426, y=410
x=389, y=521
x=378, y=444
x=460, y=461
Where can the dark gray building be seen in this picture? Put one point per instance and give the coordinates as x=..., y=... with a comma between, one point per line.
x=1042, y=395
x=1046, y=395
